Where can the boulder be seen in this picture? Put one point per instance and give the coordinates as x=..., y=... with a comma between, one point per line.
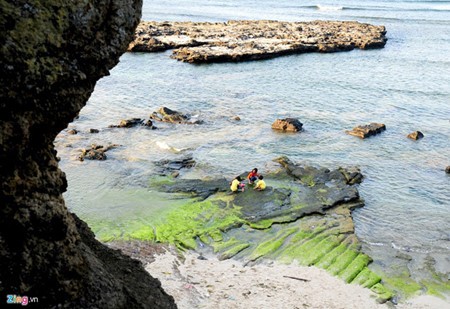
x=133, y=122
x=364, y=131
x=166, y=114
x=53, y=53
x=96, y=152
x=287, y=125
x=415, y=135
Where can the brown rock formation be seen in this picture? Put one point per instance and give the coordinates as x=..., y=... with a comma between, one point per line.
x=368, y=130
x=52, y=54
x=244, y=40
x=287, y=125
x=415, y=135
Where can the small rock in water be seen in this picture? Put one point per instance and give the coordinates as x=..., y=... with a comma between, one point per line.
x=447, y=169
x=364, y=131
x=287, y=125
x=72, y=131
x=415, y=135
x=201, y=257
x=93, y=131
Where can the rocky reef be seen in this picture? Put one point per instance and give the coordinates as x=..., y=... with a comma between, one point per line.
x=304, y=215
x=52, y=54
x=204, y=42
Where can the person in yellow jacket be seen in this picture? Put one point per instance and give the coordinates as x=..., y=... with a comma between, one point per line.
x=236, y=184
x=261, y=184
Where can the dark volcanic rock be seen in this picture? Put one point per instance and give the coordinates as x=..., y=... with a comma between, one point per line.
x=133, y=122
x=415, y=135
x=447, y=169
x=96, y=152
x=244, y=40
x=93, y=131
x=287, y=125
x=368, y=130
x=197, y=187
x=52, y=54
x=172, y=167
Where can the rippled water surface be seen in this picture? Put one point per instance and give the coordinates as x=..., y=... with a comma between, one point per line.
x=406, y=86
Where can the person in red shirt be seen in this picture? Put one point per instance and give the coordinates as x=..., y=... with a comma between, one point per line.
x=252, y=176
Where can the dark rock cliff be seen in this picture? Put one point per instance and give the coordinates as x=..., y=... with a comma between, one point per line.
x=52, y=54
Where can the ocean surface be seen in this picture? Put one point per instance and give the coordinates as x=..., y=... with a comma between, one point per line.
x=405, y=85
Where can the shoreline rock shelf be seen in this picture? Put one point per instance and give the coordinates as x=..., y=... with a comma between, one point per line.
x=244, y=40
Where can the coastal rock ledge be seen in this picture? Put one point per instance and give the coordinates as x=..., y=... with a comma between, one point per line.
x=243, y=40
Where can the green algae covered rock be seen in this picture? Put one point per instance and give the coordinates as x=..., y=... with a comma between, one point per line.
x=303, y=216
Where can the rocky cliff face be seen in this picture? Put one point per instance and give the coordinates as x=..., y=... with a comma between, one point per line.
x=52, y=54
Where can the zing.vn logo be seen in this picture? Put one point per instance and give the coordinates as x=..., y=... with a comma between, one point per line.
x=23, y=300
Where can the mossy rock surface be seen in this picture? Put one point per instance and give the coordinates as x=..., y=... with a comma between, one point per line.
x=303, y=216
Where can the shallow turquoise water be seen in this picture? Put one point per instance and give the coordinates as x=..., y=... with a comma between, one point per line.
x=406, y=85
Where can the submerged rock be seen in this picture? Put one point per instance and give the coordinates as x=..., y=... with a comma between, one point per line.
x=53, y=53
x=165, y=114
x=172, y=167
x=287, y=125
x=133, y=122
x=364, y=131
x=415, y=135
x=96, y=152
x=244, y=40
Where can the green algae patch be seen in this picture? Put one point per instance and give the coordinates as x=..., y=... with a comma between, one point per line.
x=437, y=288
x=194, y=220
x=383, y=294
x=355, y=267
x=404, y=285
x=366, y=278
x=232, y=251
x=223, y=245
x=271, y=245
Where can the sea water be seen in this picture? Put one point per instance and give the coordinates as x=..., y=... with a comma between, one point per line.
x=405, y=85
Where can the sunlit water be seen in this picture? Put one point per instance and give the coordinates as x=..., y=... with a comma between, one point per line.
x=406, y=86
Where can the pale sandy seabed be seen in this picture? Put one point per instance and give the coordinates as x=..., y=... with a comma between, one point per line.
x=210, y=283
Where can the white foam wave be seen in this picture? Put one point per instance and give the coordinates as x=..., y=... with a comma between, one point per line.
x=165, y=146
x=329, y=7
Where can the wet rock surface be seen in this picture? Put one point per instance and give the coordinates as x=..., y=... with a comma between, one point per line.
x=287, y=125
x=133, y=122
x=52, y=54
x=202, y=42
x=364, y=131
x=173, y=167
x=96, y=152
x=304, y=216
x=447, y=169
x=166, y=114
x=415, y=135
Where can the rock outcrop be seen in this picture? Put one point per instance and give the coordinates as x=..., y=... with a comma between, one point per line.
x=52, y=54
x=304, y=215
x=287, y=125
x=201, y=42
x=166, y=114
x=415, y=135
x=368, y=130
x=96, y=152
